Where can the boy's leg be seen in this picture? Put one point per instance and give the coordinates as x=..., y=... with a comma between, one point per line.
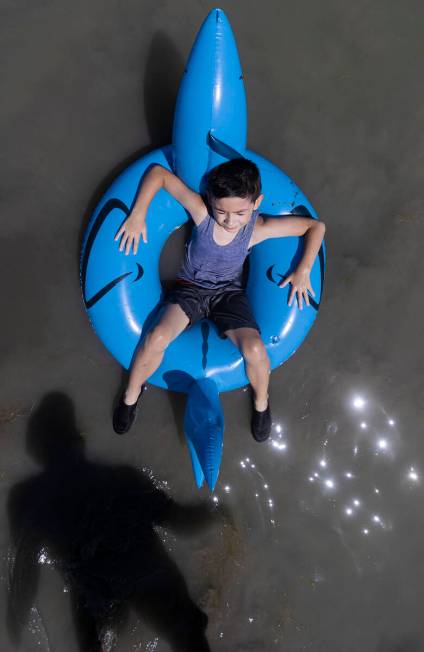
x=233, y=316
x=250, y=344
x=149, y=356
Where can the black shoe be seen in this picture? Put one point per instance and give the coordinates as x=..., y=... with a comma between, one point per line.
x=124, y=415
x=261, y=424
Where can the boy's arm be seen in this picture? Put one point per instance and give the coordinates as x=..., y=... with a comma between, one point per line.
x=158, y=177
x=279, y=227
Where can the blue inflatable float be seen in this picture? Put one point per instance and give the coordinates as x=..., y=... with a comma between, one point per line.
x=122, y=293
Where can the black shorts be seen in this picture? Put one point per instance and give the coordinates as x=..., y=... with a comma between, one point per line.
x=227, y=308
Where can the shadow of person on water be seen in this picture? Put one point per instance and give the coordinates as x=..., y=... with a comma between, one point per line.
x=96, y=525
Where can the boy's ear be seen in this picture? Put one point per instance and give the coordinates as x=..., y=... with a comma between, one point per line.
x=258, y=202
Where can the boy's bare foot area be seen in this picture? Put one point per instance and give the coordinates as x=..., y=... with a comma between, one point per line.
x=124, y=414
x=260, y=404
x=131, y=397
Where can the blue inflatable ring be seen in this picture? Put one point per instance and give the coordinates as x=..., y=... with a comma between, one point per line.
x=122, y=292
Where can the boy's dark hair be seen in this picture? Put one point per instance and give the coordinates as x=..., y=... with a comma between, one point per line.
x=236, y=178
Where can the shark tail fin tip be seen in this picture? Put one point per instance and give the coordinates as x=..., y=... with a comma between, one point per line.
x=204, y=430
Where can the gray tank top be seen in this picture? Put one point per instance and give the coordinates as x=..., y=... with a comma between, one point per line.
x=211, y=265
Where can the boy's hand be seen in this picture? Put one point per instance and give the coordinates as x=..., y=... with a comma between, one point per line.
x=130, y=231
x=301, y=284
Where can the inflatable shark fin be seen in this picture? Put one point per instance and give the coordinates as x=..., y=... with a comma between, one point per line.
x=197, y=469
x=224, y=150
x=204, y=430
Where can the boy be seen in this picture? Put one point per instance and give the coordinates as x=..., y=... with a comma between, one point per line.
x=209, y=283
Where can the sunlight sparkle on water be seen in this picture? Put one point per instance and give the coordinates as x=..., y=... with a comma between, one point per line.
x=413, y=475
x=279, y=446
x=358, y=402
x=43, y=557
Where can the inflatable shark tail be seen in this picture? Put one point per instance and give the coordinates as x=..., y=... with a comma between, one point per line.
x=204, y=430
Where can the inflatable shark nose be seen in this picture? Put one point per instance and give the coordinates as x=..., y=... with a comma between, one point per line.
x=211, y=98
x=204, y=430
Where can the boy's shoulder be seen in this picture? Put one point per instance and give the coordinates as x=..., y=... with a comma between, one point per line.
x=259, y=222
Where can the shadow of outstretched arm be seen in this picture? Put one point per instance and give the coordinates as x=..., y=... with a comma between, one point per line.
x=191, y=518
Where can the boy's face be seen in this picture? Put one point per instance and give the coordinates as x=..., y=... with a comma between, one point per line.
x=232, y=213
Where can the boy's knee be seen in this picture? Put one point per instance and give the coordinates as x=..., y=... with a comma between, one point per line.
x=254, y=351
x=158, y=339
